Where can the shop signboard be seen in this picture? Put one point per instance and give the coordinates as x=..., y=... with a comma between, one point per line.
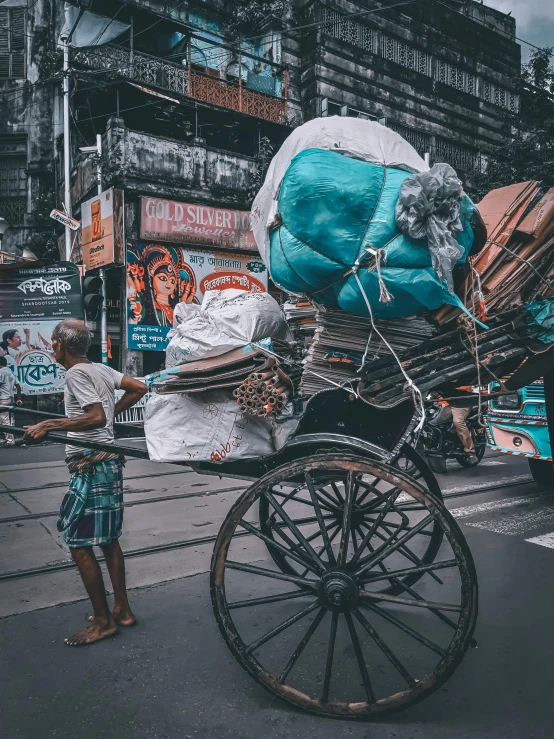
x=102, y=226
x=200, y=225
x=33, y=292
x=27, y=346
x=160, y=276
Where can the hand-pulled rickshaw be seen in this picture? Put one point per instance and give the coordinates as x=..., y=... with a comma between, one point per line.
x=339, y=582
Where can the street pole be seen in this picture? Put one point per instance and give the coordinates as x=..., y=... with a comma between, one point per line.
x=66, y=145
x=102, y=271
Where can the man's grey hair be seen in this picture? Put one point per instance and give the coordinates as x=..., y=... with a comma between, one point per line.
x=74, y=336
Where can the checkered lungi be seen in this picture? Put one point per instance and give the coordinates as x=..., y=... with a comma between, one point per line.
x=91, y=513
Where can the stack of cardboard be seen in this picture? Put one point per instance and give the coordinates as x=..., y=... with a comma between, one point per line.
x=341, y=339
x=517, y=262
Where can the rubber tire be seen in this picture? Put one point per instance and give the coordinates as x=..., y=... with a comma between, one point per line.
x=437, y=463
x=542, y=472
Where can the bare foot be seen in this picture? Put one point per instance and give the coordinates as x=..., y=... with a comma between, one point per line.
x=121, y=616
x=95, y=632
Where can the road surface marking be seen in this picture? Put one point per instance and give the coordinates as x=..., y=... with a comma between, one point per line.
x=495, y=505
x=544, y=540
x=484, y=485
x=518, y=523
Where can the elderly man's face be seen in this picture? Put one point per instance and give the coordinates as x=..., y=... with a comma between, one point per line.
x=57, y=349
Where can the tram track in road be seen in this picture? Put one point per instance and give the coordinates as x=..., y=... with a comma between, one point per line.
x=210, y=539
x=455, y=493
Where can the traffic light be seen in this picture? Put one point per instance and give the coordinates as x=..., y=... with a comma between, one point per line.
x=92, y=296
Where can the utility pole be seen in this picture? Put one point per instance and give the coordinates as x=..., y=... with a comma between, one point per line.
x=102, y=271
x=66, y=144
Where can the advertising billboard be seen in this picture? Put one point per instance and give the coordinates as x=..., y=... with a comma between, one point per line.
x=27, y=346
x=102, y=229
x=159, y=277
x=38, y=292
x=201, y=225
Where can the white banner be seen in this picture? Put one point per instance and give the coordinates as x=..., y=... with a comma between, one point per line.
x=27, y=346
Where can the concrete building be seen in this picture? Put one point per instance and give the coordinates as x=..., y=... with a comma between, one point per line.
x=187, y=115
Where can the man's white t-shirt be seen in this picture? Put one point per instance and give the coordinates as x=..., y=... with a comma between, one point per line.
x=86, y=384
x=7, y=386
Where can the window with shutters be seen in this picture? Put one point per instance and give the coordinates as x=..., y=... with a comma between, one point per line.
x=12, y=43
x=13, y=178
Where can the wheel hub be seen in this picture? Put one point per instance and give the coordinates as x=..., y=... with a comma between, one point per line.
x=337, y=591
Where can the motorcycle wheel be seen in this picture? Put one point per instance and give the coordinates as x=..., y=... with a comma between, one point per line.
x=480, y=445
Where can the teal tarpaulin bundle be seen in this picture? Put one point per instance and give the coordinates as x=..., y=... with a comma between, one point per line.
x=336, y=213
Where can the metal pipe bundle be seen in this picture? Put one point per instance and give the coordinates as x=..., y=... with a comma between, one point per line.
x=265, y=393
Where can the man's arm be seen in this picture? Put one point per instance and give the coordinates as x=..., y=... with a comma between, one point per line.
x=134, y=391
x=18, y=400
x=93, y=417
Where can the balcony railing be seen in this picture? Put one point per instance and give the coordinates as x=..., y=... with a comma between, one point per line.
x=171, y=77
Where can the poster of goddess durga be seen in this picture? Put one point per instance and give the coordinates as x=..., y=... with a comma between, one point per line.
x=170, y=281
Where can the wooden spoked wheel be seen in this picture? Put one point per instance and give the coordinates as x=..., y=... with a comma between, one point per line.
x=331, y=639
x=298, y=504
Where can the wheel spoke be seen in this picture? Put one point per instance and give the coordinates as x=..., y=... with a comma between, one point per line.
x=270, y=599
x=369, y=595
x=337, y=492
x=320, y=552
x=383, y=646
x=384, y=553
x=319, y=516
x=393, y=525
x=275, y=545
x=281, y=627
x=360, y=658
x=273, y=574
x=324, y=504
x=302, y=645
x=437, y=613
x=411, y=571
x=407, y=552
x=367, y=538
x=295, y=530
x=329, y=661
x=346, y=519
x=405, y=628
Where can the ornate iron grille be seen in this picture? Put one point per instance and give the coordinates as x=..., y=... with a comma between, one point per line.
x=175, y=78
x=350, y=31
x=13, y=210
x=140, y=67
x=458, y=156
x=230, y=95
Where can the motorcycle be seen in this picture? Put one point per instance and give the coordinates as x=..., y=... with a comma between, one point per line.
x=438, y=440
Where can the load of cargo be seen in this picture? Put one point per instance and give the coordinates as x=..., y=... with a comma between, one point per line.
x=391, y=282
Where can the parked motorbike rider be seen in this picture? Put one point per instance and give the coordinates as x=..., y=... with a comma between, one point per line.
x=461, y=408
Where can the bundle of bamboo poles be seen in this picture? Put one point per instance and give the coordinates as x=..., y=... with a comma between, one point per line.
x=265, y=393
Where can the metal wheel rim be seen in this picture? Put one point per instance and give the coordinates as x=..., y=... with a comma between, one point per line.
x=398, y=701
x=425, y=476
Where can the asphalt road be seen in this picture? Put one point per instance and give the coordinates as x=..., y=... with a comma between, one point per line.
x=172, y=675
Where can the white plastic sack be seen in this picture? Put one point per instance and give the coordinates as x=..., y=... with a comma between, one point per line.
x=362, y=139
x=203, y=427
x=227, y=319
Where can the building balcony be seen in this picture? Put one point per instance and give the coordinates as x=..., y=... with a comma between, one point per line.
x=145, y=164
x=241, y=94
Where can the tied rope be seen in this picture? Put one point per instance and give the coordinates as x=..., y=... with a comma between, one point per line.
x=379, y=255
x=415, y=391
